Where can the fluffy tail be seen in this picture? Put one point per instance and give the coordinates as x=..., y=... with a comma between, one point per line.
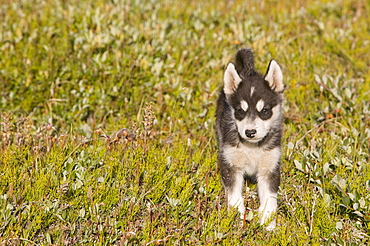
x=245, y=62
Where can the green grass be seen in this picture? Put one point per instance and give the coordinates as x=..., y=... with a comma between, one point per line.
x=73, y=74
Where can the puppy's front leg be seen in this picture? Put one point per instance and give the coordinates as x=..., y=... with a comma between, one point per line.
x=234, y=183
x=268, y=186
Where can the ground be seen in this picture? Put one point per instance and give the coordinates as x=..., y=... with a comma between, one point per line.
x=108, y=111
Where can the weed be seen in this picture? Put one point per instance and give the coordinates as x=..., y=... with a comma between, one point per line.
x=107, y=116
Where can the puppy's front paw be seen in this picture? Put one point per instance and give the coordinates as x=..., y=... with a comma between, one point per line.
x=237, y=202
x=267, y=217
x=271, y=226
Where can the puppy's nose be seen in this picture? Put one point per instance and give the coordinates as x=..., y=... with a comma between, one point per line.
x=250, y=133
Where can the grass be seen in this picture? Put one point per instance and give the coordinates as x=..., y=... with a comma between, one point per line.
x=107, y=116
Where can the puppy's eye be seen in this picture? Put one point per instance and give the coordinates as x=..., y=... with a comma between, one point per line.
x=239, y=111
x=265, y=110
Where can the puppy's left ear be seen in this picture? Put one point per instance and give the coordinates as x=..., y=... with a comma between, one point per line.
x=231, y=79
x=274, y=76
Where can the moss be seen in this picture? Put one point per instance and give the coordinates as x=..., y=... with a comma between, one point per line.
x=74, y=74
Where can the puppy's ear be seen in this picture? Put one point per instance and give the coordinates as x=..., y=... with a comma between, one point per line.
x=274, y=76
x=231, y=79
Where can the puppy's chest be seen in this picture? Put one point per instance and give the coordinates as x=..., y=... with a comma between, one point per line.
x=250, y=159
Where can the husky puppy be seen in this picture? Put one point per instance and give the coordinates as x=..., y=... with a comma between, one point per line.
x=249, y=129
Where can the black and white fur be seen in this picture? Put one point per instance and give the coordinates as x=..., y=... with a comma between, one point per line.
x=249, y=130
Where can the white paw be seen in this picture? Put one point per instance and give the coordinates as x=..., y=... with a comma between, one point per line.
x=271, y=226
x=267, y=217
x=267, y=212
x=238, y=202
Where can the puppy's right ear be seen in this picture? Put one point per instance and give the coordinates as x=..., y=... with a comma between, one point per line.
x=231, y=79
x=274, y=76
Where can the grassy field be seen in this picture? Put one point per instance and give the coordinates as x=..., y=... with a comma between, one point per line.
x=107, y=121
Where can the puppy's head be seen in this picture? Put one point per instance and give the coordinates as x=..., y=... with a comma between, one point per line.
x=255, y=99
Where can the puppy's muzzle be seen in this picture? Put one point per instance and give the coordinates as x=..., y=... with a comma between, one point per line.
x=250, y=133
